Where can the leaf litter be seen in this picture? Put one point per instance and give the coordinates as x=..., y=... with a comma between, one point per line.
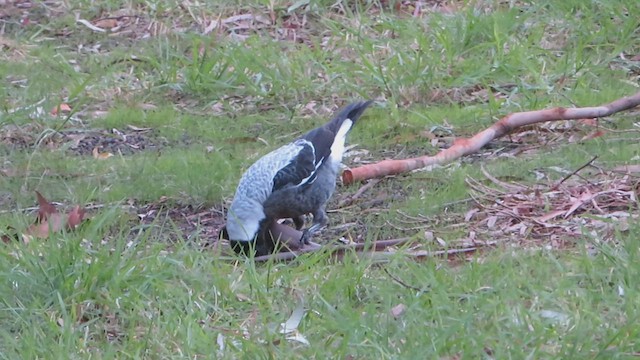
x=553, y=215
x=48, y=221
x=82, y=142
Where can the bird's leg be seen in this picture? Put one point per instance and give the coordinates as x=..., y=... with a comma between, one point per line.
x=320, y=220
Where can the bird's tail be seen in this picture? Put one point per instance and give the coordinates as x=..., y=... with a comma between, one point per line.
x=352, y=112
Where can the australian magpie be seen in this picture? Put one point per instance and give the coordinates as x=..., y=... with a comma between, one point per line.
x=290, y=182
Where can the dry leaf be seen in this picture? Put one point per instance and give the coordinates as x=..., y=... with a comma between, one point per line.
x=62, y=108
x=6, y=238
x=398, y=310
x=588, y=122
x=106, y=23
x=50, y=220
x=294, y=320
x=75, y=217
x=145, y=106
x=45, y=208
x=54, y=223
x=98, y=155
x=135, y=128
x=428, y=235
x=491, y=221
x=470, y=213
x=593, y=135
x=242, y=297
x=8, y=172
x=630, y=169
x=550, y=215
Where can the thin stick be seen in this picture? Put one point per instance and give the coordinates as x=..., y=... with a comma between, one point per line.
x=401, y=282
x=290, y=255
x=555, y=187
x=349, y=199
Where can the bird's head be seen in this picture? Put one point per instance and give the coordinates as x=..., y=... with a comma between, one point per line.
x=261, y=243
x=240, y=229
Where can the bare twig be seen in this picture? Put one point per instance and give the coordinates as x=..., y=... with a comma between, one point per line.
x=349, y=199
x=555, y=187
x=290, y=255
x=401, y=282
x=375, y=251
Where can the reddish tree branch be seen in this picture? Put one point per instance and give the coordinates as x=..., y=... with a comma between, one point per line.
x=466, y=146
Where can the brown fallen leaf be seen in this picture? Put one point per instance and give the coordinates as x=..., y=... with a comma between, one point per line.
x=54, y=223
x=61, y=109
x=45, y=208
x=100, y=155
x=108, y=23
x=75, y=217
x=7, y=237
x=589, y=122
x=49, y=220
x=593, y=135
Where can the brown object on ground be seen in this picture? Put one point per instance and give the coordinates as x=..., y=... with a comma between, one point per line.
x=289, y=237
x=278, y=237
x=465, y=146
x=49, y=220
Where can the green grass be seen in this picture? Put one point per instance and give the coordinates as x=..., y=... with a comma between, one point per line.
x=216, y=102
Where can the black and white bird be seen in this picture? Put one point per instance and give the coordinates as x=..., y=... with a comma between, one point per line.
x=290, y=182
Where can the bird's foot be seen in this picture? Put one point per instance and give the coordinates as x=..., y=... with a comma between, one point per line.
x=309, y=233
x=306, y=237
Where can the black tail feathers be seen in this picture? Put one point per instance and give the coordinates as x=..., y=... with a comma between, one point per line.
x=352, y=112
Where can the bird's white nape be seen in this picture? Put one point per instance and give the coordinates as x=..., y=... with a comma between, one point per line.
x=337, y=148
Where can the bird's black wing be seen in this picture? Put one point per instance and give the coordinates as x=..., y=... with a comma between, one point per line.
x=322, y=139
x=299, y=171
x=302, y=170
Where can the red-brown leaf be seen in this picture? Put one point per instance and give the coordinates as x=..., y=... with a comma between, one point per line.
x=62, y=108
x=45, y=208
x=54, y=223
x=75, y=217
x=49, y=220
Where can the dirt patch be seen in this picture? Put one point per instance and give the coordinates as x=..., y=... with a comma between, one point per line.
x=174, y=222
x=16, y=14
x=113, y=141
x=81, y=142
x=200, y=225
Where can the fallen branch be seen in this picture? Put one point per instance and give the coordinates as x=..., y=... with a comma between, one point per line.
x=465, y=146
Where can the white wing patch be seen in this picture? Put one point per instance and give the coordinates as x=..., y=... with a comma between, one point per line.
x=337, y=148
x=305, y=180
